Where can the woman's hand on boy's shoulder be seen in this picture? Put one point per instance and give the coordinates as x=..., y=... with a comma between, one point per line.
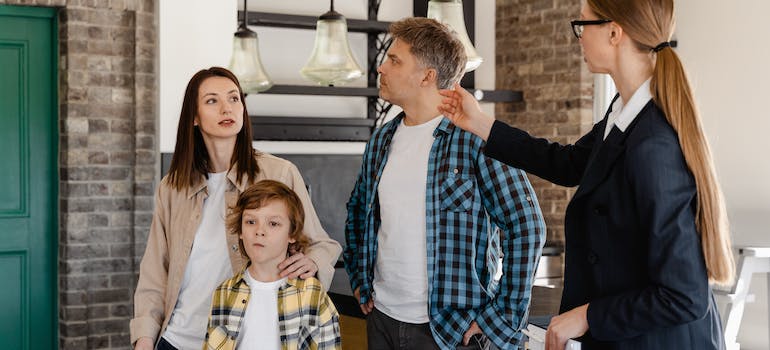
x=298, y=266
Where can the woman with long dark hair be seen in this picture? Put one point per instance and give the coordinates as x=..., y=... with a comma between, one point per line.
x=646, y=231
x=188, y=252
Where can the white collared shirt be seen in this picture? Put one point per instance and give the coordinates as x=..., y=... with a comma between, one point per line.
x=622, y=114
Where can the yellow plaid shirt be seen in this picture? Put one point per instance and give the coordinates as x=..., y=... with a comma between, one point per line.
x=307, y=319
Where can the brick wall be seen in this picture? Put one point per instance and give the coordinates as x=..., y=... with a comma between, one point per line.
x=538, y=54
x=108, y=163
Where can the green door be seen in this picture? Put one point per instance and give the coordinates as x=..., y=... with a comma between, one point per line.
x=28, y=178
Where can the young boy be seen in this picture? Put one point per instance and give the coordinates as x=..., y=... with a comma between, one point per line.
x=257, y=309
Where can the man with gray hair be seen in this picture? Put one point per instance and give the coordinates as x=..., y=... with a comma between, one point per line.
x=430, y=215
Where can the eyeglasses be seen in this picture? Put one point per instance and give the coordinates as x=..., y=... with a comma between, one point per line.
x=577, y=25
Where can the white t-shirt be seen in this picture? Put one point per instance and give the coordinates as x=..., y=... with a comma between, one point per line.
x=259, y=327
x=400, y=274
x=207, y=267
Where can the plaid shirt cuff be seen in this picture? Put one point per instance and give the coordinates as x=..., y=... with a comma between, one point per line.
x=497, y=329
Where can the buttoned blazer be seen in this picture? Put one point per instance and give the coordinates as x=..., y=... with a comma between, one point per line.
x=632, y=249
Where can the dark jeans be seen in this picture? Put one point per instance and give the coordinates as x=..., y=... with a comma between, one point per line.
x=386, y=333
x=164, y=345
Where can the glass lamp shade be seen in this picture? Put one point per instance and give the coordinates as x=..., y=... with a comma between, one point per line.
x=331, y=62
x=246, y=63
x=450, y=12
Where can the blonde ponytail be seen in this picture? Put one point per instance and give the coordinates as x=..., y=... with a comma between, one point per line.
x=672, y=93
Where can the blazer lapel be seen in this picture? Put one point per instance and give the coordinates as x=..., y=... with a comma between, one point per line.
x=599, y=137
x=602, y=160
x=607, y=152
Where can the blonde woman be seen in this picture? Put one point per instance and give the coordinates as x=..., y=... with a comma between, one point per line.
x=646, y=231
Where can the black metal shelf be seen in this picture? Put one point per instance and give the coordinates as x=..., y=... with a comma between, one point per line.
x=497, y=95
x=322, y=90
x=280, y=20
x=486, y=95
x=269, y=128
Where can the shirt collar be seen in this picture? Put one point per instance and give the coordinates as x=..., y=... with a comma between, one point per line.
x=444, y=126
x=292, y=282
x=240, y=278
x=623, y=114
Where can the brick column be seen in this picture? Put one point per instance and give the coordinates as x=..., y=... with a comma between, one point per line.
x=538, y=54
x=108, y=166
x=108, y=162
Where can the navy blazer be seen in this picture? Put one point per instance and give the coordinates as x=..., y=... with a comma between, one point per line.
x=632, y=248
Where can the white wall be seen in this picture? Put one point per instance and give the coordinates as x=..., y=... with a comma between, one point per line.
x=727, y=52
x=196, y=34
x=725, y=48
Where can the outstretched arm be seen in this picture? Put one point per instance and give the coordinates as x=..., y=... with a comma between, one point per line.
x=560, y=164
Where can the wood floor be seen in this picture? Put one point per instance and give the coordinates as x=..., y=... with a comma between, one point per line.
x=353, y=333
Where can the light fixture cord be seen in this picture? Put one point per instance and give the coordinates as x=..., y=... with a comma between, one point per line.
x=245, y=13
x=332, y=5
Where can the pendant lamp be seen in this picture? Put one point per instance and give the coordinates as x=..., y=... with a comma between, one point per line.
x=450, y=12
x=331, y=62
x=245, y=62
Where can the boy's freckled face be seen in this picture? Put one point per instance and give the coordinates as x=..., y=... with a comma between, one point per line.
x=265, y=232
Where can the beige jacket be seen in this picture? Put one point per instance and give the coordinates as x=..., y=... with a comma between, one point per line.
x=174, y=223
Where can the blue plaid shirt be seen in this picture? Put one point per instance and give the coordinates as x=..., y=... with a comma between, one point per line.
x=469, y=197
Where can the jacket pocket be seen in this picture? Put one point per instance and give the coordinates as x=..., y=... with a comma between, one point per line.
x=457, y=194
